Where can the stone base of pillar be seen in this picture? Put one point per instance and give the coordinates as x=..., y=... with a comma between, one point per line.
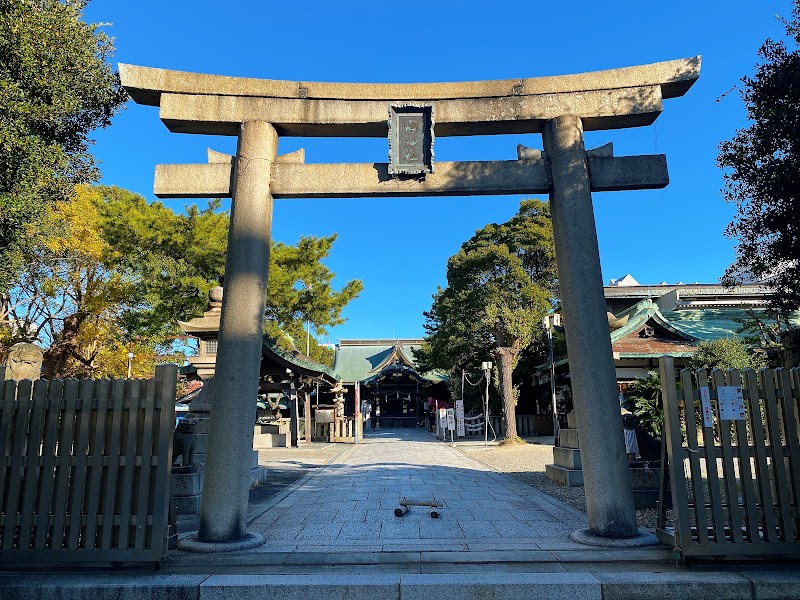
x=584, y=536
x=250, y=540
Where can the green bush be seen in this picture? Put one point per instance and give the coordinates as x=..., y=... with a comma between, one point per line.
x=646, y=397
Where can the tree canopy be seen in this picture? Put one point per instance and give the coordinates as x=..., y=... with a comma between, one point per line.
x=726, y=353
x=106, y=272
x=762, y=174
x=56, y=86
x=499, y=286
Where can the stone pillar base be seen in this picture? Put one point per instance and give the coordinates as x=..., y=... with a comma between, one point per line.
x=643, y=538
x=250, y=540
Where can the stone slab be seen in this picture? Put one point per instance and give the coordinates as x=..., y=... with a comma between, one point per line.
x=775, y=583
x=568, y=438
x=569, y=458
x=501, y=586
x=668, y=586
x=564, y=476
x=100, y=586
x=301, y=587
x=488, y=557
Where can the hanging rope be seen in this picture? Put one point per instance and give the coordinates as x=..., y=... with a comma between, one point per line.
x=466, y=378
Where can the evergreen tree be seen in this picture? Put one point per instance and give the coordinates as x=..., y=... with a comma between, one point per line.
x=499, y=286
x=56, y=86
x=762, y=174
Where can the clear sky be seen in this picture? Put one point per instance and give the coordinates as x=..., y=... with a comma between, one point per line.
x=399, y=247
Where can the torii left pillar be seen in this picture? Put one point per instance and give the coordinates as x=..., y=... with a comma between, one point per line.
x=226, y=485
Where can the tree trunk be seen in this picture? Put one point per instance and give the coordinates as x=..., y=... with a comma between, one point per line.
x=56, y=356
x=505, y=356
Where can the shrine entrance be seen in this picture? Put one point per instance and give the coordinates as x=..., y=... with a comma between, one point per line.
x=411, y=117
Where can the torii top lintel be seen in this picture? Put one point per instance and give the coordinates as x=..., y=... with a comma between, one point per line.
x=214, y=104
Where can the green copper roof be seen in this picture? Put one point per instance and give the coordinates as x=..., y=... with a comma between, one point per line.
x=640, y=313
x=713, y=324
x=359, y=362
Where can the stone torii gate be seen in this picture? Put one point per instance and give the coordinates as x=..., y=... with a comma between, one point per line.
x=412, y=115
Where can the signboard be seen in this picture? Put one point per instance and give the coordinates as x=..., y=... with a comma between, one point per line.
x=410, y=140
x=731, y=403
x=451, y=419
x=460, y=430
x=705, y=407
x=441, y=422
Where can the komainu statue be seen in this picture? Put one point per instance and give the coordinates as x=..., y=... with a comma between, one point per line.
x=24, y=362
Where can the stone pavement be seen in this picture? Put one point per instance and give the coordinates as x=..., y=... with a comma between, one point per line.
x=333, y=534
x=349, y=505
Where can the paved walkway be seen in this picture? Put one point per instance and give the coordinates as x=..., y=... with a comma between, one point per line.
x=349, y=505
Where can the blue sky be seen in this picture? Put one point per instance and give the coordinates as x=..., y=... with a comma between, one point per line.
x=399, y=247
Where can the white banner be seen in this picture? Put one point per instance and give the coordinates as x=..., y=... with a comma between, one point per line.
x=460, y=431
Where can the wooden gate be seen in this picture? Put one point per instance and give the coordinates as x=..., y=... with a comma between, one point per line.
x=731, y=442
x=85, y=468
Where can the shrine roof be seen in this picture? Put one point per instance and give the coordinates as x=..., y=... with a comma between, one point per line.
x=647, y=310
x=358, y=360
x=297, y=361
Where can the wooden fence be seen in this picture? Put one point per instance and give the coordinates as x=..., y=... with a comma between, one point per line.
x=733, y=454
x=85, y=468
x=526, y=425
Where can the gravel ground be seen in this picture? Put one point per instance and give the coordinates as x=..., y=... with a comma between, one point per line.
x=526, y=462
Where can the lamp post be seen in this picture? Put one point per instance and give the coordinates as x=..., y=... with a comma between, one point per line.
x=130, y=361
x=487, y=369
x=549, y=322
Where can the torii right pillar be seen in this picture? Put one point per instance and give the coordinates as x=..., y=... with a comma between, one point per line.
x=607, y=480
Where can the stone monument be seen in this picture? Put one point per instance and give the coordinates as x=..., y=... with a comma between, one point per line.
x=560, y=108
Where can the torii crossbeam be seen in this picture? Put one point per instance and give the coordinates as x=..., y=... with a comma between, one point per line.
x=560, y=108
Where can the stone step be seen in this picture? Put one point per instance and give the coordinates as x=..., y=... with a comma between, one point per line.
x=569, y=458
x=564, y=476
x=487, y=582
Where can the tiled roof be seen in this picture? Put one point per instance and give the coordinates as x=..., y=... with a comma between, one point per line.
x=641, y=313
x=359, y=361
x=302, y=362
x=712, y=324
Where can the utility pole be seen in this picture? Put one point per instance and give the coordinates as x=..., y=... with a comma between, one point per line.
x=550, y=322
x=487, y=369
